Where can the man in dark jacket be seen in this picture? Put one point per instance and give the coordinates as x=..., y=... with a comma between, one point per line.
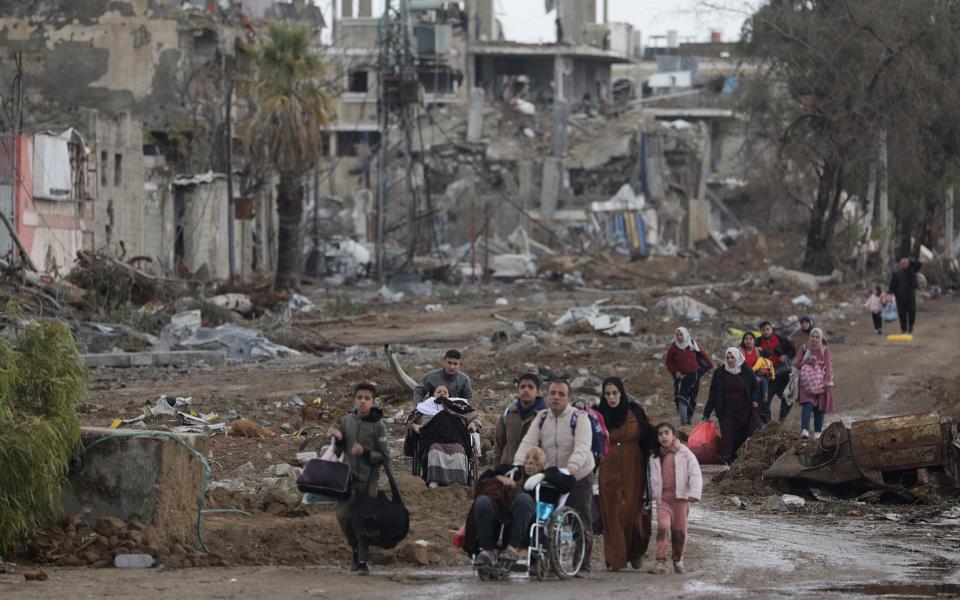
x=515, y=420
x=363, y=436
x=449, y=375
x=903, y=286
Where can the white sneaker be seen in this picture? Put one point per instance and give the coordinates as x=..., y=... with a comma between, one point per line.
x=816, y=435
x=805, y=434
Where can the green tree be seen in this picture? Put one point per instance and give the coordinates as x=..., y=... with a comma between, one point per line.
x=834, y=74
x=292, y=108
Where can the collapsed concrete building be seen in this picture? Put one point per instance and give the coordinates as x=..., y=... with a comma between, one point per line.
x=500, y=135
x=509, y=135
x=144, y=84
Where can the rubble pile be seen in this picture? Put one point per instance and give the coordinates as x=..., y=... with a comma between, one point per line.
x=745, y=476
x=74, y=543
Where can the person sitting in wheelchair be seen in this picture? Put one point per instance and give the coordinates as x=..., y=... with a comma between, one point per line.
x=443, y=434
x=504, y=508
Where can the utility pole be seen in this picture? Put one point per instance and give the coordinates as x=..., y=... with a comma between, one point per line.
x=383, y=117
x=231, y=209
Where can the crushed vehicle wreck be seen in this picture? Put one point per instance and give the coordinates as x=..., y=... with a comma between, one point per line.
x=910, y=455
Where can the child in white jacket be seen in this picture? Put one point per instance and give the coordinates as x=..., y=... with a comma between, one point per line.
x=675, y=482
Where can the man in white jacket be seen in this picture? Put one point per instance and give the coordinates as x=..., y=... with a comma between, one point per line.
x=566, y=439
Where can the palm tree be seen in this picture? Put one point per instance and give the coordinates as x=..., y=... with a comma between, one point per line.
x=291, y=109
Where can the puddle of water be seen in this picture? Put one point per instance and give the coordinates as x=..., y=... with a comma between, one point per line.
x=898, y=590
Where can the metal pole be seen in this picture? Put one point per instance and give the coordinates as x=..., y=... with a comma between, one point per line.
x=486, y=242
x=384, y=121
x=231, y=209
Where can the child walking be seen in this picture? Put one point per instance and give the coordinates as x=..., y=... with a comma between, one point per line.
x=875, y=304
x=675, y=482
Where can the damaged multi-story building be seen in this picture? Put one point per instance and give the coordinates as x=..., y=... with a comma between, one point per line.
x=127, y=103
x=126, y=107
x=508, y=134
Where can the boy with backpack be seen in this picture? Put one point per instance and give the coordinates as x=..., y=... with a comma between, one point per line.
x=362, y=435
x=566, y=436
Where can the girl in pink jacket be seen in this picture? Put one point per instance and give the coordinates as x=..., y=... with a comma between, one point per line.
x=675, y=482
x=875, y=304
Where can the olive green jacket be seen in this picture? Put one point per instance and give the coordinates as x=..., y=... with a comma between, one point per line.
x=371, y=433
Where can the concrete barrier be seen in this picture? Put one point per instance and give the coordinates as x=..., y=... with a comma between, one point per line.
x=146, y=478
x=173, y=358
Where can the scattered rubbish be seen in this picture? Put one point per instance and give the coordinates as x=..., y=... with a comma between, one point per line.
x=736, y=501
x=802, y=300
x=599, y=321
x=508, y=267
x=389, y=295
x=502, y=302
x=285, y=470
x=524, y=107
x=133, y=561
x=249, y=429
x=35, y=575
x=298, y=303
x=433, y=308
x=808, y=281
x=892, y=517
x=423, y=543
x=305, y=456
x=230, y=485
x=184, y=332
x=791, y=500
x=687, y=307
x=239, y=303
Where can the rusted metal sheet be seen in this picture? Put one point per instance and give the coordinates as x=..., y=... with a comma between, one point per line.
x=894, y=443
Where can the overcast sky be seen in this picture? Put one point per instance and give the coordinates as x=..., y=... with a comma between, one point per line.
x=526, y=21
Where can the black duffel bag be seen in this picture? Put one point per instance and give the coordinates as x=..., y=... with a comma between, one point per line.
x=383, y=521
x=328, y=476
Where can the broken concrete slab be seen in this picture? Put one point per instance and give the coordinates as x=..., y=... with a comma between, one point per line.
x=142, y=476
x=808, y=281
x=550, y=189
x=172, y=358
x=687, y=307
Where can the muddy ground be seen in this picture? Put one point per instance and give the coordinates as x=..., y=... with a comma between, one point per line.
x=825, y=549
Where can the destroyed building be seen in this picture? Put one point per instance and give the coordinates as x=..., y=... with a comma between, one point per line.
x=507, y=135
x=144, y=84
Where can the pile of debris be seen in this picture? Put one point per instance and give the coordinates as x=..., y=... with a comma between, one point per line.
x=745, y=477
x=73, y=543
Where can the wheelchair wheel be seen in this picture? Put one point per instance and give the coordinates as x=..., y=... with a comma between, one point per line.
x=566, y=542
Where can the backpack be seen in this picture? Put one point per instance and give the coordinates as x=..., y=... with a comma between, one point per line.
x=599, y=436
x=383, y=521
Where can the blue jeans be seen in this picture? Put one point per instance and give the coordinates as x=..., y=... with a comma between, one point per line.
x=818, y=415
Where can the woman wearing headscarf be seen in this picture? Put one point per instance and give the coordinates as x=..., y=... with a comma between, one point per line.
x=762, y=369
x=687, y=363
x=624, y=502
x=816, y=382
x=735, y=396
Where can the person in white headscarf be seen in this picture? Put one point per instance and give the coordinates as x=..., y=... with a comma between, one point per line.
x=687, y=363
x=816, y=382
x=735, y=397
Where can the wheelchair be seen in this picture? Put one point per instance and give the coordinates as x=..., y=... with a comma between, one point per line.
x=471, y=447
x=557, y=544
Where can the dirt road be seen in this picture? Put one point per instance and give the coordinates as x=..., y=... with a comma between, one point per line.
x=827, y=550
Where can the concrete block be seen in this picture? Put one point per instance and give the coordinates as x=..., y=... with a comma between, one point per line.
x=475, y=116
x=149, y=478
x=178, y=358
